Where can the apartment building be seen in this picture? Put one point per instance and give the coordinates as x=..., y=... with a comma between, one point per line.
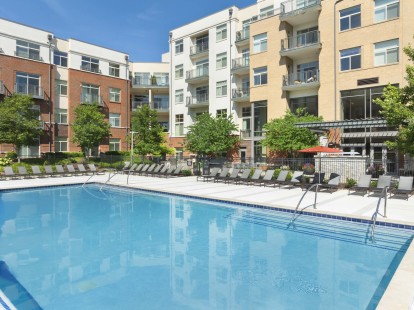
x=331, y=57
x=59, y=75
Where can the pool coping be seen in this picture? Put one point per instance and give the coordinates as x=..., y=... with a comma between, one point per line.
x=400, y=291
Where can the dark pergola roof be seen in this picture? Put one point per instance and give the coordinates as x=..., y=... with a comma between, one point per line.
x=352, y=123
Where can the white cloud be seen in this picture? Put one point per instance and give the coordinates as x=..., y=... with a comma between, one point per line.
x=149, y=14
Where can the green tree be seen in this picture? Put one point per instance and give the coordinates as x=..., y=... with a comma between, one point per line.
x=19, y=121
x=211, y=136
x=89, y=127
x=149, y=137
x=398, y=109
x=283, y=136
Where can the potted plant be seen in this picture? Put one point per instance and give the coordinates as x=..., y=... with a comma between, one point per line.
x=308, y=168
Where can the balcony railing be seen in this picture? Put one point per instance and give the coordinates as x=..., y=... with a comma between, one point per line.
x=1, y=87
x=91, y=99
x=200, y=100
x=139, y=104
x=242, y=35
x=29, y=55
x=302, y=40
x=240, y=93
x=161, y=106
x=301, y=78
x=197, y=73
x=147, y=82
x=245, y=134
x=90, y=68
x=199, y=48
x=265, y=15
x=30, y=90
x=292, y=7
x=238, y=63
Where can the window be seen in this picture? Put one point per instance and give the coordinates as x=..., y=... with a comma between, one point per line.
x=308, y=103
x=179, y=46
x=179, y=96
x=260, y=43
x=259, y=118
x=90, y=93
x=260, y=76
x=61, y=87
x=113, y=69
x=28, y=84
x=179, y=71
x=221, y=113
x=221, y=88
x=221, y=61
x=61, y=116
x=90, y=64
x=115, y=119
x=386, y=9
x=221, y=32
x=114, y=94
x=142, y=78
x=28, y=50
x=161, y=78
x=351, y=59
x=179, y=124
x=60, y=58
x=266, y=12
x=350, y=18
x=61, y=144
x=386, y=52
x=161, y=102
x=246, y=119
x=114, y=144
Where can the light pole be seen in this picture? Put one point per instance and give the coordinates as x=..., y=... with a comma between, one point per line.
x=132, y=145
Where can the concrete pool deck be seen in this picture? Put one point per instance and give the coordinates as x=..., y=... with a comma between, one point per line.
x=400, y=292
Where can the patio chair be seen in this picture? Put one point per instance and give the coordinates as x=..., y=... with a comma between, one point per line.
x=143, y=169
x=162, y=171
x=255, y=177
x=280, y=180
x=211, y=175
x=222, y=175
x=296, y=180
x=125, y=168
x=49, y=171
x=169, y=171
x=149, y=170
x=72, y=170
x=317, y=179
x=242, y=178
x=233, y=175
x=9, y=173
x=405, y=187
x=267, y=178
x=60, y=170
x=175, y=172
x=363, y=185
x=92, y=168
x=131, y=169
x=22, y=172
x=156, y=170
x=333, y=183
x=383, y=181
x=82, y=169
x=37, y=172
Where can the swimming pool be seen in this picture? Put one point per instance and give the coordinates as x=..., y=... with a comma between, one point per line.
x=72, y=247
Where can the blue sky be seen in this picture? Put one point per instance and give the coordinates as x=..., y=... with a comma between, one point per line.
x=137, y=27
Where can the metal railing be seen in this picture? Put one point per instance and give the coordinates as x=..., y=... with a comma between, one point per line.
x=28, y=55
x=91, y=99
x=138, y=104
x=316, y=186
x=265, y=15
x=301, y=78
x=201, y=99
x=30, y=90
x=245, y=134
x=197, y=73
x=240, y=93
x=291, y=7
x=301, y=40
x=241, y=62
x=90, y=68
x=242, y=35
x=160, y=82
x=161, y=106
x=199, y=48
x=383, y=194
x=1, y=87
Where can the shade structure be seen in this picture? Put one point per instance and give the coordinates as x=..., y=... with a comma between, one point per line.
x=320, y=149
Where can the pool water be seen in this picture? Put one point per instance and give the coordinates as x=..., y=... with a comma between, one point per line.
x=90, y=248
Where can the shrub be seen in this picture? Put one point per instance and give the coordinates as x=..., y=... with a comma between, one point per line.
x=186, y=172
x=11, y=155
x=5, y=161
x=350, y=182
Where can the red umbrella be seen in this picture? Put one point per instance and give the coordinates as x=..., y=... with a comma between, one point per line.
x=320, y=149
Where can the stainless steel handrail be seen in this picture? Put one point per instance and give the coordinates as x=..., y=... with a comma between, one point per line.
x=375, y=215
x=303, y=196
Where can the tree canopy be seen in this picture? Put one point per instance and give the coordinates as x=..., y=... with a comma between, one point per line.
x=149, y=137
x=19, y=121
x=283, y=136
x=211, y=136
x=398, y=109
x=89, y=127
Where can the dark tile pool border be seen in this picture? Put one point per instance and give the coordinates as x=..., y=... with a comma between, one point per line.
x=244, y=204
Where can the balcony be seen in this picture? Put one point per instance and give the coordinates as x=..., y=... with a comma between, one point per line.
x=1, y=87
x=264, y=15
x=242, y=37
x=301, y=45
x=245, y=134
x=302, y=12
x=151, y=83
x=197, y=76
x=138, y=104
x=28, y=54
x=199, y=50
x=91, y=99
x=240, y=66
x=301, y=80
x=29, y=90
x=240, y=95
x=90, y=68
x=198, y=101
x=161, y=107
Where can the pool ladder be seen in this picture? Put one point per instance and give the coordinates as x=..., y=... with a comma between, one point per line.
x=316, y=186
x=384, y=193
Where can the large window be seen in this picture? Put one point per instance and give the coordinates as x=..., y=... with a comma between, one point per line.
x=350, y=59
x=386, y=9
x=114, y=144
x=115, y=119
x=90, y=64
x=260, y=43
x=310, y=104
x=61, y=87
x=28, y=84
x=179, y=96
x=61, y=116
x=221, y=89
x=161, y=78
x=221, y=32
x=90, y=93
x=260, y=76
x=386, y=52
x=113, y=69
x=179, y=71
x=221, y=113
x=60, y=58
x=221, y=61
x=28, y=50
x=114, y=94
x=142, y=78
x=259, y=117
x=179, y=124
x=246, y=121
x=61, y=144
x=179, y=46
x=267, y=11
x=350, y=18
x=161, y=102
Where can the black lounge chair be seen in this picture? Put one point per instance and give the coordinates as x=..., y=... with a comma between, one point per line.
x=131, y=169
x=405, y=187
x=94, y=170
x=296, y=180
x=280, y=180
x=22, y=172
x=175, y=172
x=222, y=175
x=317, y=179
x=233, y=175
x=49, y=171
x=82, y=169
x=242, y=178
x=333, y=183
x=267, y=178
x=211, y=175
x=363, y=185
x=9, y=173
x=37, y=172
x=125, y=168
x=155, y=170
x=72, y=170
x=255, y=177
x=60, y=170
x=383, y=181
x=169, y=171
x=149, y=170
x=142, y=170
x=163, y=170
